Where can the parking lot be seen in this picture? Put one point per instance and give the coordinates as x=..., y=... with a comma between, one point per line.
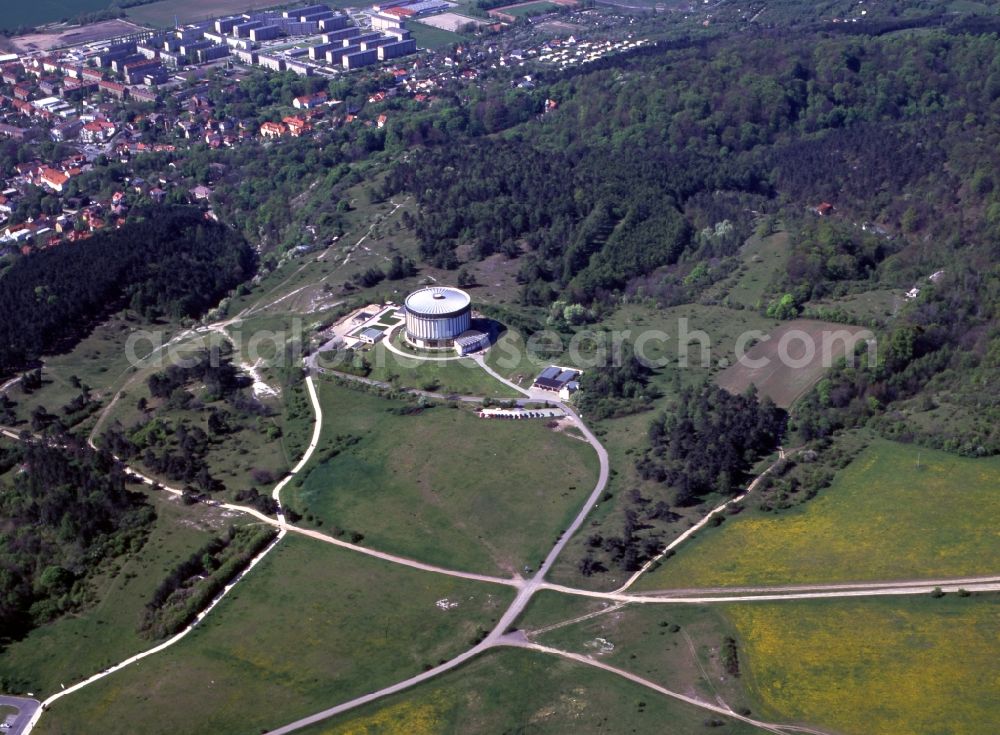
x=16, y=722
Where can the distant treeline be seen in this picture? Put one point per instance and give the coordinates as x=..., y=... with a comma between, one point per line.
x=164, y=263
x=614, y=183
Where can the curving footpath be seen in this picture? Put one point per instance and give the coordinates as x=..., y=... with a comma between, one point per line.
x=387, y=343
x=503, y=633
x=495, y=637
x=520, y=642
x=282, y=530
x=701, y=524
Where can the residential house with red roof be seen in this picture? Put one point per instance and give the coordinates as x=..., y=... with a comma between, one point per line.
x=113, y=88
x=272, y=129
x=53, y=179
x=97, y=131
x=309, y=101
x=296, y=126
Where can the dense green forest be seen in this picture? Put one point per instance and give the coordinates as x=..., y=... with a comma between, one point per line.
x=705, y=442
x=64, y=511
x=619, y=179
x=709, y=440
x=173, y=264
x=657, y=165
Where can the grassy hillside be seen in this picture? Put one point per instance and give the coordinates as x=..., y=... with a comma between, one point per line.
x=287, y=643
x=443, y=485
x=76, y=646
x=896, y=512
x=878, y=667
x=510, y=691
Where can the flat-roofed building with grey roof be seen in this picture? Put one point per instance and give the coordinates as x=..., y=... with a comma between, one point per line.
x=188, y=34
x=319, y=52
x=267, y=17
x=242, y=30
x=352, y=49
x=471, y=341
x=247, y=57
x=381, y=22
x=341, y=34
x=265, y=33
x=370, y=335
x=334, y=55
x=300, y=68
x=118, y=65
x=555, y=378
x=225, y=25
x=107, y=58
x=297, y=28
x=244, y=44
x=397, y=49
x=149, y=51
x=366, y=37
x=274, y=63
x=316, y=17
x=190, y=48
x=306, y=10
x=375, y=43
x=334, y=23
x=171, y=59
x=212, y=53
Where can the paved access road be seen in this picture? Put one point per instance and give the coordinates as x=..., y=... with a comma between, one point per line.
x=526, y=589
x=814, y=592
x=26, y=708
x=503, y=634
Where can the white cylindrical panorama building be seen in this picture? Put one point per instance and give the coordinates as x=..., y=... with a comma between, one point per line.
x=436, y=316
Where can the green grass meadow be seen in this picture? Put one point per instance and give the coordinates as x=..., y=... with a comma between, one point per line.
x=764, y=261
x=311, y=626
x=677, y=646
x=443, y=486
x=459, y=377
x=548, y=608
x=79, y=645
x=874, y=667
x=538, y=8
x=430, y=37
x=517, y=691
x=161, y=14
x=896, y=512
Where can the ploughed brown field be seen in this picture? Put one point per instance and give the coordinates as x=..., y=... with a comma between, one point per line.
x=67, y=36
x=792, y=358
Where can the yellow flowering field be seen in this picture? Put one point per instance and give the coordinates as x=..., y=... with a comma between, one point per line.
x=896, y=512
x=875, y=667
x=408, y=717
